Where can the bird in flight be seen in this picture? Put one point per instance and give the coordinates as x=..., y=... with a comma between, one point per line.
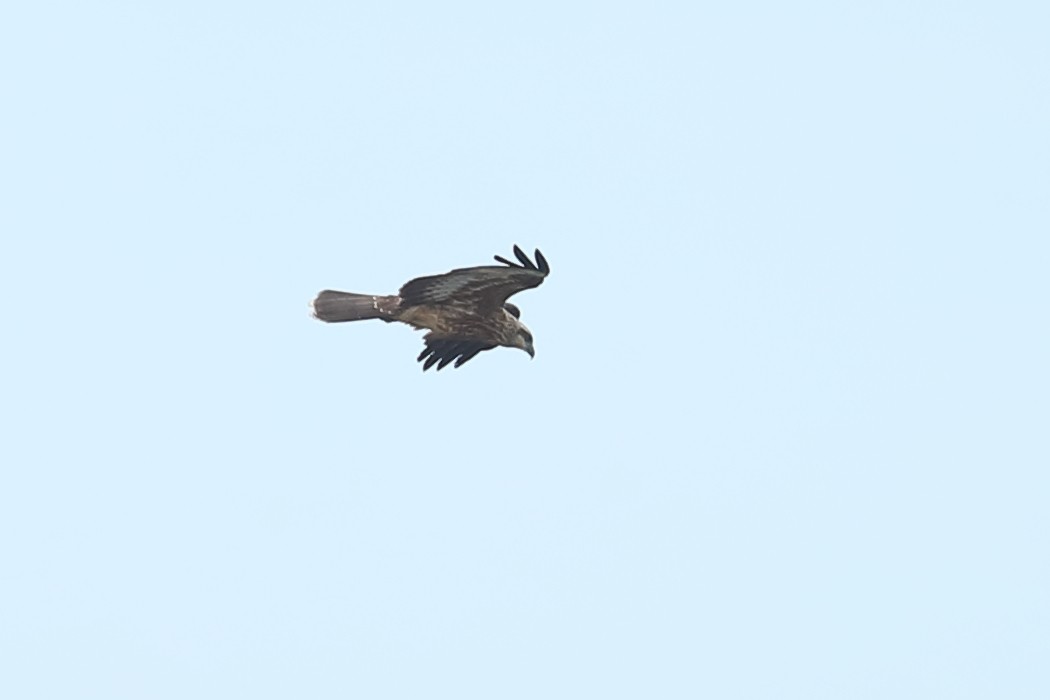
x=465, y=310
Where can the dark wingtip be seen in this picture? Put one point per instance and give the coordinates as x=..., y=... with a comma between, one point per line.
x=545, y=268
x=467, y=356
x=442, y=353
x=524, y=259
x=450, y=353
x=524, y=262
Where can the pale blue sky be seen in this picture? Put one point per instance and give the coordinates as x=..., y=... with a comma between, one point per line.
x=785, y=435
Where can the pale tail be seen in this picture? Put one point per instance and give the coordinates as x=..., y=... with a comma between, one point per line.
x=335, y=307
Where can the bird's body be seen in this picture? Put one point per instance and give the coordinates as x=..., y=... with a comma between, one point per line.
x=465, y=310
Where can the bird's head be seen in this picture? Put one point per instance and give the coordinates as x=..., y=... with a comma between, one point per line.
x=523, y=340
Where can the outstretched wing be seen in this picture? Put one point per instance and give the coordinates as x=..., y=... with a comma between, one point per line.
x=483, y=289
x=445, y=350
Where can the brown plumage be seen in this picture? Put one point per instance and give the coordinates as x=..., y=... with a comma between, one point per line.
x=465, y=310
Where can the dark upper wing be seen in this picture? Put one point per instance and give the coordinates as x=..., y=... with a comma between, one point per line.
x=444, y=350
x=484, y=288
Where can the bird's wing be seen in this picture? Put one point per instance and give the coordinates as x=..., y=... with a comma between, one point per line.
x=483, y=289
x=442, y=351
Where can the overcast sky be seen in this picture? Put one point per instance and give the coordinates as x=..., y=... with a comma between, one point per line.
x=786, y=431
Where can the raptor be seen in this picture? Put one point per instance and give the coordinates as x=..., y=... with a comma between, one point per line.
x=465, y=311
